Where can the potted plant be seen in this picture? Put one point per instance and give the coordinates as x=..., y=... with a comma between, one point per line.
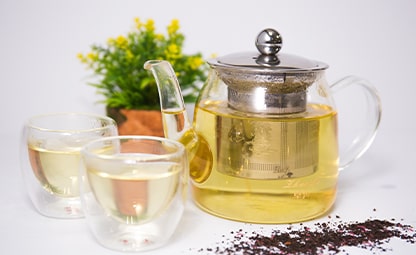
x=130, y=92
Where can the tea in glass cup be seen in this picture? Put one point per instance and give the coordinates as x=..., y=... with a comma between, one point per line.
x=50, y=157
x=133, y=190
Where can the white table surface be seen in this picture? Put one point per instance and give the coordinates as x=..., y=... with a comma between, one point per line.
x=384, y=179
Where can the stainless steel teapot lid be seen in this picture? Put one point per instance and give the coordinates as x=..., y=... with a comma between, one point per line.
x=283, y=78
x=268, y=43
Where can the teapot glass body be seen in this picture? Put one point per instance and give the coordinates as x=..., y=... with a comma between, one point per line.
x=265, y=167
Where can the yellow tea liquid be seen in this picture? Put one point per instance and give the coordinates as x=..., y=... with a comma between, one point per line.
x=265, y=168
x=57, y=171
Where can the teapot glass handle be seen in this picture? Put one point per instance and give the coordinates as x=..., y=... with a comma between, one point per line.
x=368, y=127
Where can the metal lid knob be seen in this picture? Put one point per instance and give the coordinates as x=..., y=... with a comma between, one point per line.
x=269, y=42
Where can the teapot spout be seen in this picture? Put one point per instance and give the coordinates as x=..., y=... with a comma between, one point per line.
x=176, y=123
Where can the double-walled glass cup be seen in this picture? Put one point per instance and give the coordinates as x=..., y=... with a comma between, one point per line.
x=50, y=159
x=133, y=190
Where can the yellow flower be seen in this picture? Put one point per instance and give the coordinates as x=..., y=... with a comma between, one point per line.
x=138, y=23
x=195, y=62
x=160, y=37
x=111, y=41
x=81, y=57
x=92, y=56
x=173, y=48
x=121, y=42
x=173, y=27
x=172, y=52
x=150, y=25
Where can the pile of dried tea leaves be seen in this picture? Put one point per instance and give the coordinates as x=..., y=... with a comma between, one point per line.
x=330, y=237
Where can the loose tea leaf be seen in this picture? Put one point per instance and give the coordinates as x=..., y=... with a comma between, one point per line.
x=323, y=238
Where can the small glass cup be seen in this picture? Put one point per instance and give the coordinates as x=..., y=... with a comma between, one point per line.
x=50, y=159
x=133, y=190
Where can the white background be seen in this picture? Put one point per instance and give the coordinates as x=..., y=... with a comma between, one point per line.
x=39, y=73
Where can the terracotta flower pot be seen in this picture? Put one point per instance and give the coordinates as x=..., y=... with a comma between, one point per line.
x=137, y=122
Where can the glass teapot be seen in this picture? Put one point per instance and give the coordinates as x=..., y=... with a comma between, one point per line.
x=263, y=146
